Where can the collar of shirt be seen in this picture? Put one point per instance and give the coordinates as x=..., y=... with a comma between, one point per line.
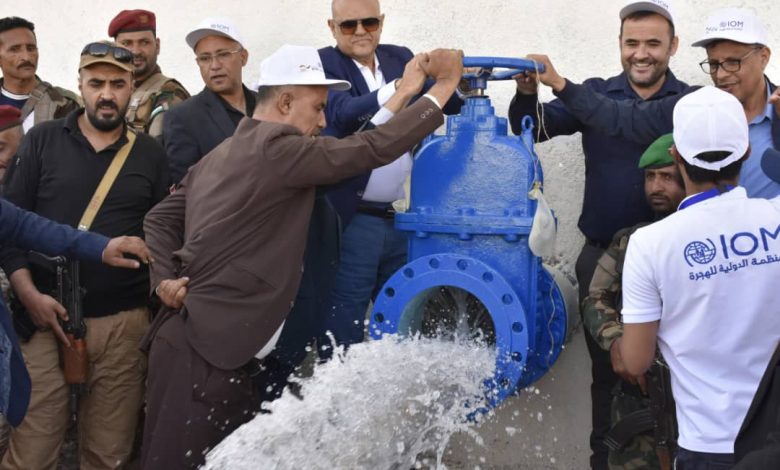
x=768, y=109
x=671, y=86
x=248, y=96
x=14, y=96
x=137, y=83
x=374, y=80
x=732, y=192
x=72, y=127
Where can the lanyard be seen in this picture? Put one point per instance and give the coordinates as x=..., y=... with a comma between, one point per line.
x=709, y=194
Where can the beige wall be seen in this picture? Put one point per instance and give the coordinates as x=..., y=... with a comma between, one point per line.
x=581, y=38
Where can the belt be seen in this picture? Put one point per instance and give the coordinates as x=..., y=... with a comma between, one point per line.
x=386, y=212
x=596, y=243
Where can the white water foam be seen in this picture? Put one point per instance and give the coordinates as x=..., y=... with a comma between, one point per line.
x=383, y=405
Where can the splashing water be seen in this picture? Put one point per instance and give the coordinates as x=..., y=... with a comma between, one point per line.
x=382, y=405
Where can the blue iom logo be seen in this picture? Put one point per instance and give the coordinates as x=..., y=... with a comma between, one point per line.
x=700, y=252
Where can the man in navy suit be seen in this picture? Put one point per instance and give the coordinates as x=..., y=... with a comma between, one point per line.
x=30, y=231
x=372, y=250
x=193, y=128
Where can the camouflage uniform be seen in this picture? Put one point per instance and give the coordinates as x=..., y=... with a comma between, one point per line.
x=151, y=99
x=600, y=312
x=49, y=102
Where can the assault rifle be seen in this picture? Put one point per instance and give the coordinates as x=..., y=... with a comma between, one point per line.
x=658, y=417
x=659, y=388
x=68, y=292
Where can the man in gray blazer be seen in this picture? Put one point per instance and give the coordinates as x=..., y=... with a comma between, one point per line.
x=230, y=241
x=193, y=128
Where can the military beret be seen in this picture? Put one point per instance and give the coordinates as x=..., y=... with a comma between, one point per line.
x=132, y=20
x=10, y=116
x=657, y=154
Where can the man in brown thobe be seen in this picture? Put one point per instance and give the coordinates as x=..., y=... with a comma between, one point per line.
x=229, y=242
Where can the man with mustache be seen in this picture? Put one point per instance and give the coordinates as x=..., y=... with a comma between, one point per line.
x=738, y=54
x=664, y=190
x=38, y=100
x=154, y=93
x=201, y=123
x=614, y=196
x=59, y=166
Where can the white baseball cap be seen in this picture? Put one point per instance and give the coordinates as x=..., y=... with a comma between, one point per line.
x=661, y=7
x=710, y=120
x=733, y=24
x=214, y=27
x=296, y=65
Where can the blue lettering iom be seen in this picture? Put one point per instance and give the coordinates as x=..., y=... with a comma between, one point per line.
x=700, y=252
x=738, y=246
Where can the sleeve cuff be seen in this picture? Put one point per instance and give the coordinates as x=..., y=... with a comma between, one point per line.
x=382, y=116
x=641, y=316
x=385, y=93
x=568, y=91
x=433, y=98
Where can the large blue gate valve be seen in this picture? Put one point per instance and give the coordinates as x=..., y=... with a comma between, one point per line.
x=469, y=264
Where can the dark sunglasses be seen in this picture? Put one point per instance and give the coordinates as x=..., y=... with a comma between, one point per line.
x=349, y=27
x=101, y=49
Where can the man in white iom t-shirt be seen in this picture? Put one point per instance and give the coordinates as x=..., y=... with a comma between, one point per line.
x=703, y=283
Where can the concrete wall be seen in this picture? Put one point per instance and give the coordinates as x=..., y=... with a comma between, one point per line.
x=580, y=37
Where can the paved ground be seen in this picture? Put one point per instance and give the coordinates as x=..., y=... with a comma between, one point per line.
x=547, y=430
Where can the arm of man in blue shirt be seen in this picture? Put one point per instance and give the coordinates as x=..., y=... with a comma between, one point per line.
x=641, y=121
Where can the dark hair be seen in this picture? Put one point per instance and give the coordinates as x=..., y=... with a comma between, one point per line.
x=13, y=22
x=638, y=15
x=267, y=92
x=701, y=175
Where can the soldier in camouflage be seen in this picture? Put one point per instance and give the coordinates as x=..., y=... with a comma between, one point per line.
x=154, y=94
x=664, y=191
x=20, y=87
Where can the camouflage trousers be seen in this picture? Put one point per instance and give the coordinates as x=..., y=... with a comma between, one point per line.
x=639, y=452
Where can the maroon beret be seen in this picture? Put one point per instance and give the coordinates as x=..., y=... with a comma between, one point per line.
x=10, y=116
x=132, y=20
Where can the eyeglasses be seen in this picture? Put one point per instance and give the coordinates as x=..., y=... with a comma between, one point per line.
x=349, y=27
x=729, y=65
x=221, y=56
x=101, y=49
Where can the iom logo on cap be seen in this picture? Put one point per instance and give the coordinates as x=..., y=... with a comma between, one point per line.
x=728, y=25
x=700, y=252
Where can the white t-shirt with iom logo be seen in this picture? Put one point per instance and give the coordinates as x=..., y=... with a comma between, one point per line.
x=711, y=274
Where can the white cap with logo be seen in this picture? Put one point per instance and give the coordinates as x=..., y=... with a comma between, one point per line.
x=296, y=65
x=661, y=7
x=214, y=27
x=733, y=24
x=710, y=120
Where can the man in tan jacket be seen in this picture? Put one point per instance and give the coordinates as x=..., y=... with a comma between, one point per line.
x=229, y=243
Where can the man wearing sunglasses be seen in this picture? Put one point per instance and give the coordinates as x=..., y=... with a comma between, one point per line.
x=372, y=250
x=194, y=128
x=59, y=167
x=154, y=93
x=737, y=57
x=38, y=100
